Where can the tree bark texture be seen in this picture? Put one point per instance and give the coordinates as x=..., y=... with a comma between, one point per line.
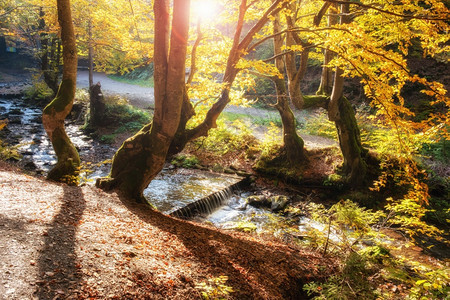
x=293, y=143
x=341, y=112
x=56, y=111
x=142, y=156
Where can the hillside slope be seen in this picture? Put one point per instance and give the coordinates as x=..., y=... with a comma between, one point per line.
x=62, y=242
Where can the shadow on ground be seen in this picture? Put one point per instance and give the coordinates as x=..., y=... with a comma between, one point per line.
x=57, y=263
x=256, y=269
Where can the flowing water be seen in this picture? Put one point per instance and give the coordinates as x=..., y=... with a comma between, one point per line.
x=176, y=188
x=170, y=190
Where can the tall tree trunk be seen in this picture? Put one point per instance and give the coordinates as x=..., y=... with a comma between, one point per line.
x=96, y=98
x=293, y=143
x=142, y=156
x=295, y=74
x=47, y=48
x=341, y=112
x=90, y=55
x=54, y=113
x=326, y=78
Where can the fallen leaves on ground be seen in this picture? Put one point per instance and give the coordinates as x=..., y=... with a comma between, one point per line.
x=61, y=242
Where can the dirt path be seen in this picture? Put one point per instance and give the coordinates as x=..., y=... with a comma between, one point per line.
x=143, y=97
x=138, y=96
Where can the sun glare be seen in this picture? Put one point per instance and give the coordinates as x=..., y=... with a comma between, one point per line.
x=205, y=10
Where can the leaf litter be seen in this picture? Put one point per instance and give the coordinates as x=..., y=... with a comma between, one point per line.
x=62, y=242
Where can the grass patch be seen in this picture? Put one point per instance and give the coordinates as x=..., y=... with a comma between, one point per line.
x=255, y=120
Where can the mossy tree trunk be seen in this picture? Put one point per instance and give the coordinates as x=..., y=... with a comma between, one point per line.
x=341, y=112
x=293, y=143
x=142, y=156
x=56, y=111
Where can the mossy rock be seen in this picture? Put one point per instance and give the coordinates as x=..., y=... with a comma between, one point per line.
x=278, y=203
x=274, y=203
x=258, y=201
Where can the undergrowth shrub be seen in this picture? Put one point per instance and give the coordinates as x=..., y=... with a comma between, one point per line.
x=227, y=137
x=351, y=283
x=38, y=91
x=185, y=161
x=321, y=126
x=119, y=117
x=6, y=151
x=271, y=143
x=369, y=270
x=119, y=112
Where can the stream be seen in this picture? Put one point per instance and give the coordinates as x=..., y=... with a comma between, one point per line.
x=171, y=189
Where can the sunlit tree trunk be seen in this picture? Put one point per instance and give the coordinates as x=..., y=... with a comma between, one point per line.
x=142, y=156
x=293, y=143
x=341, y=112
x=54, y=113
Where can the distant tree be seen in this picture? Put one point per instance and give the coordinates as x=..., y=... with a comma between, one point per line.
x=49, y=54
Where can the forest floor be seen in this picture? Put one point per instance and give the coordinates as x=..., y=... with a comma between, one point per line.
x=63, y=242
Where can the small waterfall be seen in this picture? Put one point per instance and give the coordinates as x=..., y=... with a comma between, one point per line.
x=208, y=204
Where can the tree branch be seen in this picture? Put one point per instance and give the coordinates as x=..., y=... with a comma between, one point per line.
x=194, y=53
x=367, y=6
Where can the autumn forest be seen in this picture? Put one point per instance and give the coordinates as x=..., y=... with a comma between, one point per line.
x=224, y=149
